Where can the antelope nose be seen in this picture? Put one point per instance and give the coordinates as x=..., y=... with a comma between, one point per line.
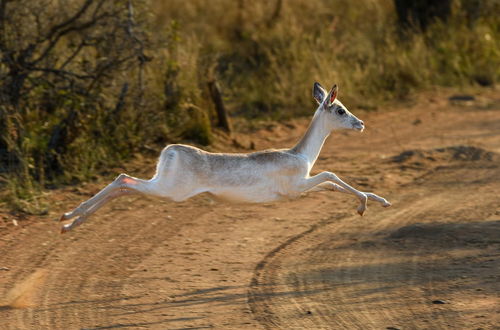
x=361, y=122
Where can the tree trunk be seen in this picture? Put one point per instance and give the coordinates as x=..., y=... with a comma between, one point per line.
x=223, y=119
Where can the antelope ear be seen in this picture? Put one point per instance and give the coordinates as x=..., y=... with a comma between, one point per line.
x=319, y=93
x=332, y=95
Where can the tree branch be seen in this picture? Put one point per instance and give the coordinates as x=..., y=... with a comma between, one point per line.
x=71, y=20
x=62, y=33
x=72, y=56
x=62, y=73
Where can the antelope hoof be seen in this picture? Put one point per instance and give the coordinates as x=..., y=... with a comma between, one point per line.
x=66, y=216
x=361, y=210
x=65, y=228
x=386, y=203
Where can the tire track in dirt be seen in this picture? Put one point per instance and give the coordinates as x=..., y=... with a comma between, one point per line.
x=255, y=296
x=386, y=271
x=76, y=290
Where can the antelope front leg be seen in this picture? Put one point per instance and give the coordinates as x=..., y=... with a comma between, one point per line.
x=335, y=187
x=329, y=176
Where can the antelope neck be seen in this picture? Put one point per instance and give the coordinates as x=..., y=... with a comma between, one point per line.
x=311, y=143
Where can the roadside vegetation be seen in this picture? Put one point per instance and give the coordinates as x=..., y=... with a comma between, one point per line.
x=85, y=84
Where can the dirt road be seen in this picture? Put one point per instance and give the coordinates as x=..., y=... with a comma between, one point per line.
x=429, y=262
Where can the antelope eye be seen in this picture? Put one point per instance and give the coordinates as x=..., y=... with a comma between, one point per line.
x=341, y=111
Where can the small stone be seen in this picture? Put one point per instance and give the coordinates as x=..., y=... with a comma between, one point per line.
x=392, y=328
x=438, y=302
x=309, y=313
x=214, y=269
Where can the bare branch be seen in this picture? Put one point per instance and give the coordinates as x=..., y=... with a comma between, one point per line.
x=63, y=73
x=62, y=33
x=75, y=53
x=121, y=100
x=140, y=52
x=70, y=20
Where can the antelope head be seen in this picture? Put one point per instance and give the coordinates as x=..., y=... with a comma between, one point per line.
x=335, y=114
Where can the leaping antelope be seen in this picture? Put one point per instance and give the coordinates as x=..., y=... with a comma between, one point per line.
x=260, y=177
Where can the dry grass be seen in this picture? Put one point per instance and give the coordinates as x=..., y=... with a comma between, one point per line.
x=268, y=64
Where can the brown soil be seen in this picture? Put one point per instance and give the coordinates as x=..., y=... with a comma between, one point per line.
x=429, y=262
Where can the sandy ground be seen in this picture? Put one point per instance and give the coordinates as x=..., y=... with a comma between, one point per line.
x=431, y=261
